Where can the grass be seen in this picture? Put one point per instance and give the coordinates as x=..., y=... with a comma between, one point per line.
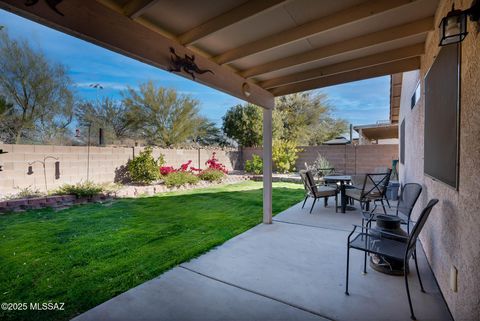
x=85, y=255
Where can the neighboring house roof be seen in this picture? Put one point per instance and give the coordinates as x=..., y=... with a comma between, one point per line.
x=337, y=141
x=378, y=131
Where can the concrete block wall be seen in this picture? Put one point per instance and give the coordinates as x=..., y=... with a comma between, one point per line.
x=105, y=163
x=346, y=158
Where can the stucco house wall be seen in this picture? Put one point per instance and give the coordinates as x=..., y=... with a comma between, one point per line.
x=452, y=234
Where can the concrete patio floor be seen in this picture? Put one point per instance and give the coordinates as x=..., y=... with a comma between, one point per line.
x=293, y=269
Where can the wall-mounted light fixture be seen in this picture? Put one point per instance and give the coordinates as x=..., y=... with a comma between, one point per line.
x=453, y=27
x=246, y=89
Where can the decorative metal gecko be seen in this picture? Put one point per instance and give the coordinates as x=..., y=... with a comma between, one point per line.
x=186, y=64
x=52, y=4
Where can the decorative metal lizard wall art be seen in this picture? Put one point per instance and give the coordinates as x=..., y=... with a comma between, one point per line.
x=52, y=4
x=186, y=64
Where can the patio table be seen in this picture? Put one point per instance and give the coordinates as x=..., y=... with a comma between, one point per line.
x=342, y=179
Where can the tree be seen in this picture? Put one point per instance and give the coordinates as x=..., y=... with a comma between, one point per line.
x=307, y=118
x=327, y=129
x=38, y=90
x=209, y=134
x=162, y=116
x=7, y=121
x=112, y=116
x=243, y=123
x=303, y=118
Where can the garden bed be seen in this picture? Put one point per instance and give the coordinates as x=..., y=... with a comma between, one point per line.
x=57, y=202
x=144, y=190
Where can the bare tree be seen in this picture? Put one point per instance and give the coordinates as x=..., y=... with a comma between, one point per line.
x=39, y=91
x=110, y=115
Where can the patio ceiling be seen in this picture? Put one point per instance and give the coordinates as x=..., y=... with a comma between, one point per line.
x=278, y=47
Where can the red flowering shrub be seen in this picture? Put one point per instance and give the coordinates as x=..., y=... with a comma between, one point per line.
x=214, y=172
x=184, y=166
x=165, y=170
x=213, y=163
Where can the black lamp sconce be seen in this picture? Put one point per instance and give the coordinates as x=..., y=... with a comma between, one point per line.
x=57, y=168
x=453, y=27
x=2, y=152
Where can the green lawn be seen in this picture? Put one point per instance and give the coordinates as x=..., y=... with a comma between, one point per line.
x=85, y=255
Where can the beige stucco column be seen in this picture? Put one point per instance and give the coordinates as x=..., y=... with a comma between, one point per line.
x=267, y=166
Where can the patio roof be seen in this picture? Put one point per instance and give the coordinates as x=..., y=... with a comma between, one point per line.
x=277, y=47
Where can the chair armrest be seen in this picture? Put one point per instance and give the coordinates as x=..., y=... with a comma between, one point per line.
x=383, y=232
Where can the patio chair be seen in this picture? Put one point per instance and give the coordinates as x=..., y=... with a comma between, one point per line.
x=374, y=188
x=406, y=202
x=391, y=246
x=317, y=191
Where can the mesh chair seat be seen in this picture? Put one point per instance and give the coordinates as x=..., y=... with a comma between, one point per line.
x=379, y=245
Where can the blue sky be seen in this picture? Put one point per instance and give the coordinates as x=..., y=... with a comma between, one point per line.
x=361, y=102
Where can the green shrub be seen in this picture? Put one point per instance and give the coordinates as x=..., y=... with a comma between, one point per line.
x=211, y=175
x=254, y=165
x=84, y=189
x=26, y=192
x=284, y=155
x=144, y=168
x=177, y=179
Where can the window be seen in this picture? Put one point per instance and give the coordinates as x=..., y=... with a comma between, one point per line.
x=416, y=96
x=442, y=105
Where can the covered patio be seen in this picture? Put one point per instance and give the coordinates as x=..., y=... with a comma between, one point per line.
x=293, y=269
x=254, y=50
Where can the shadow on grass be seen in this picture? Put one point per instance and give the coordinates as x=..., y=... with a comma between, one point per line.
x=85, y=255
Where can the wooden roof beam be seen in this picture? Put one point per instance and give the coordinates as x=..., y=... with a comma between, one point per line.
x=372, y=60
x=337, y=19
x=410, y=29
x=135, y=8
x=360, y=74
x=244, y=11
x=99, y=24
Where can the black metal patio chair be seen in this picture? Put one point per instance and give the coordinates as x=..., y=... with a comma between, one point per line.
x=374, y=188
x=406, y=202
x=391, y=246
x=317, y=191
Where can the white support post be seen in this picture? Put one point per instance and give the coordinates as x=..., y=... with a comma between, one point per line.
x=267, y=166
